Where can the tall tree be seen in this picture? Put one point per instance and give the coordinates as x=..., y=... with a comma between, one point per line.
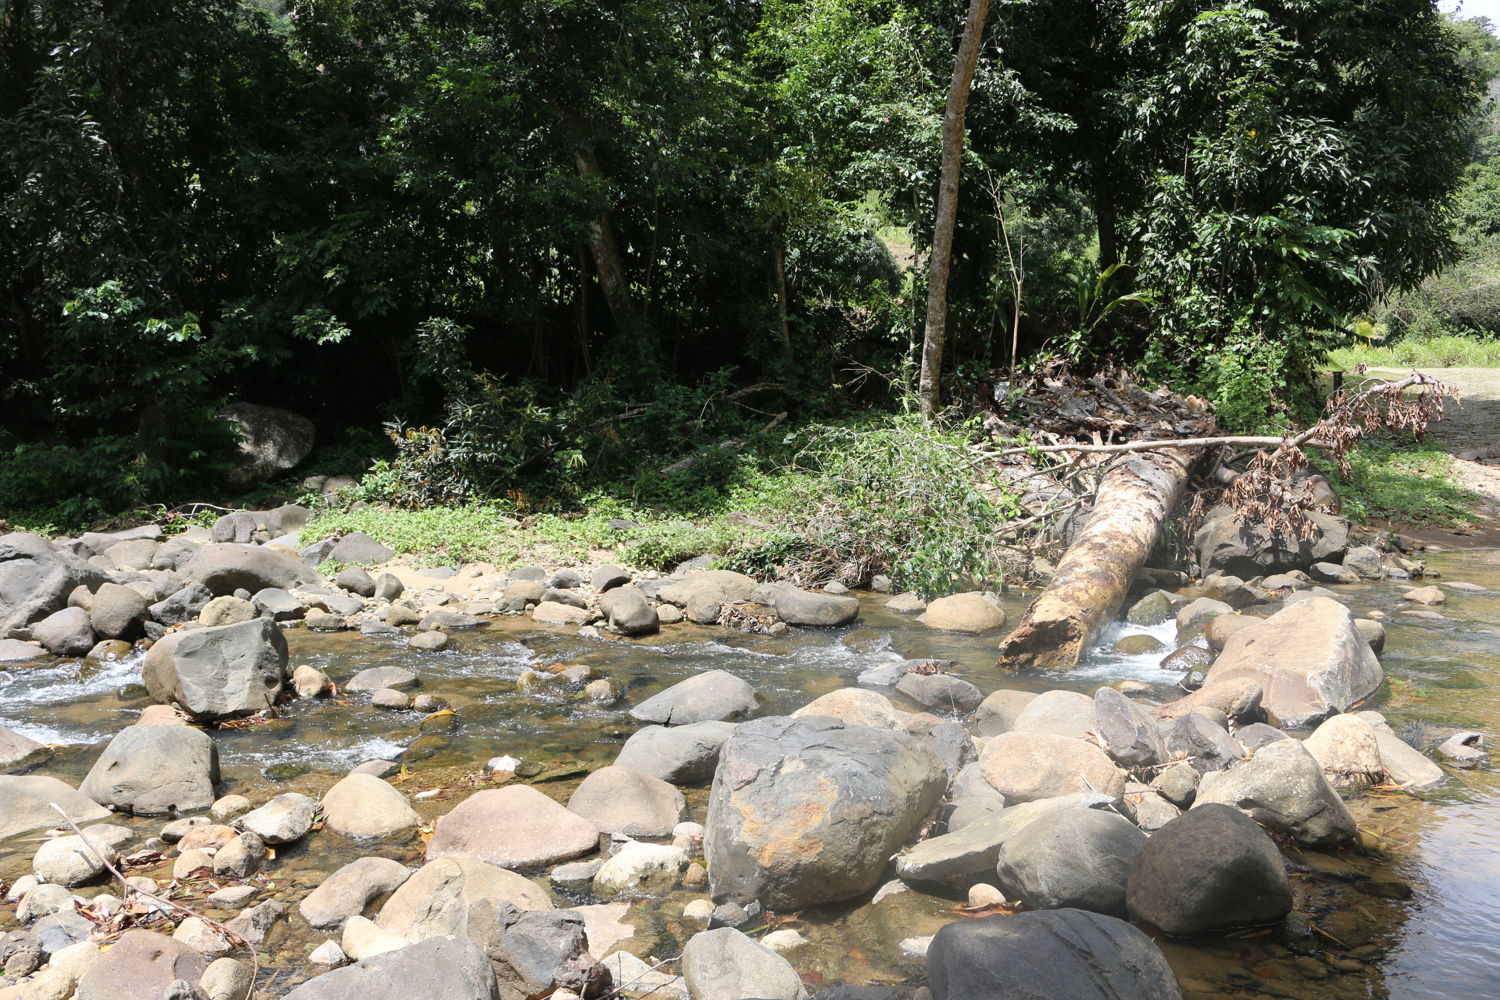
x=935, y=330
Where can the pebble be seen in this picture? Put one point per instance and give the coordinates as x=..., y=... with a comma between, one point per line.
x=916, y=947
x=985, y=895
x=506, y=764
x=695, y=877
x=199, y=936
x=328, y=953
x=699, y=911
x=390, y=699
x=229, y=807
x=785, y=939
x=891, y=888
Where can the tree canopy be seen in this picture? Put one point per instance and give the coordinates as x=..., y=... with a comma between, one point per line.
x=563, y=211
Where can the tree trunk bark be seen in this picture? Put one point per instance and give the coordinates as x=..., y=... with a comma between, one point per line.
x=609, y=266
x=935, y=331
x=1137, y=494
x=778, y=261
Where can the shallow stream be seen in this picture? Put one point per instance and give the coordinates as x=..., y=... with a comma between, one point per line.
x=1408, y=914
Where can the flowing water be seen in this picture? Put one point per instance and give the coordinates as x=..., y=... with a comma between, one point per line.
x=1406, y=914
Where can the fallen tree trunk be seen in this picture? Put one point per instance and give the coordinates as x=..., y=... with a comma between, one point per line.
x=1138, y=492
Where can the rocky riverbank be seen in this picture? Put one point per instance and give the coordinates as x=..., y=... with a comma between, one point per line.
x=1099, y=816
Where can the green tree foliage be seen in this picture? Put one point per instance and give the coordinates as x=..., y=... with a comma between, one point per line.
x=544, y=235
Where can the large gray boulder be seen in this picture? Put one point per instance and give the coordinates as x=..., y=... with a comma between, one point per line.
x=25, y=804
x=723, y=964
x=803, y=607
x=36, y=578
x=683, y=755
x=719, y=585
x=362, y=805
x=513, y=827
x=444, y=968
x=436, y=900
x=974, y=848
x=1226, y=544
x=140, y=966
x=151, y=770
x=65, y=633
x=619, y=800
x=628, y=611
x=183, y=606
x=219, y=673
x=1047, y=955
x=536, y=953
x=348, y=891
x=808, y=811
x=1210, y=869
x=1071, y=858
x=271, y=441
x=14, y=747
x=1024, y=766
x=237, y=526
x=712, y=696
x=1127, y=731
x=117, y=612
x=1309, y=660
x=1283, y=788
x=223, y=569
x=358, y=547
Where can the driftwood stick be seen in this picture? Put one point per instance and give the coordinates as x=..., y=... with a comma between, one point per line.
x=233, y=936
x=1306, y=439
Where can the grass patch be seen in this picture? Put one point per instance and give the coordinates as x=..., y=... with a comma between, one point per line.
x=1433, y=352
x=473, y=533
x=1410, y=483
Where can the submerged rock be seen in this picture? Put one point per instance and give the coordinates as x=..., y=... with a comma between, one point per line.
x=805, y=811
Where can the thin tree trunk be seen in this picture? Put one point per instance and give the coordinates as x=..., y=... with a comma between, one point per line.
x=609, y=265
x=1137, y=494
x=778, y=261
x=935, y=331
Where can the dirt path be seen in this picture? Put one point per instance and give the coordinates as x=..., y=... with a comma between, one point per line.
x=1470, y=431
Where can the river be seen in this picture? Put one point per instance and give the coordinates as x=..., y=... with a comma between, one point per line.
x=1407, y=914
